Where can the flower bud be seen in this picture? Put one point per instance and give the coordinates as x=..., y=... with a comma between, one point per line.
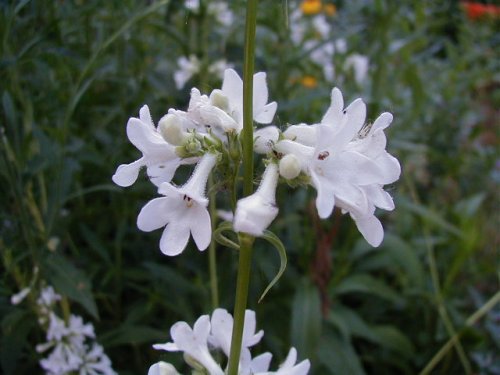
x=171, y=130
x=218, y=99
x=289, y=167
x=256, y=212
x=162, y=368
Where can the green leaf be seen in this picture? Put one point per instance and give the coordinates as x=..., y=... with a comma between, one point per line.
x=132, y=334
x=71, y=282
x=338, y=355
x=306, y=320
x=430, y=216
x=364, y=283
x=278, y=245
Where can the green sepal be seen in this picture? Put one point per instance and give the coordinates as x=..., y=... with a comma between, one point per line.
x=223, y=240
x=276, y=242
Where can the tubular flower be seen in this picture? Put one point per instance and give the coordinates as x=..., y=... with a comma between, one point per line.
x=183, y=211
x=256, y=212
x=348, y=164
x=157, y=155
x=214, y=334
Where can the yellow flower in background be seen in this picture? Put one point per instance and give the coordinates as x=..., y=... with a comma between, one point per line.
x=330, y=9
x=310, y=7
x=309, y=81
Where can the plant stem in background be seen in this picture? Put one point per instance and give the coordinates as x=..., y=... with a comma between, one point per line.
x=246, y=241
x=431, y=258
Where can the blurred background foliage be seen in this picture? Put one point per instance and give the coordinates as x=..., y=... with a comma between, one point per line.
x=73, y=72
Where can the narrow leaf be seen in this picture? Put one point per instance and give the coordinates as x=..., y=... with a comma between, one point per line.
x=278, y=245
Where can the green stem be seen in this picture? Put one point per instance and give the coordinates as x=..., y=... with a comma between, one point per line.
x=248, y=68
x=433, y=269
x=212, y=256
x=473, y=319
x=240, y=304
x=246, y=241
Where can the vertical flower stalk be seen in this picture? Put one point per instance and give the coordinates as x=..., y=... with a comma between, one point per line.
x=246, y=241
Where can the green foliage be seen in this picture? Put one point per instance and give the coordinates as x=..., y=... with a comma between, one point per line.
x=73, y=72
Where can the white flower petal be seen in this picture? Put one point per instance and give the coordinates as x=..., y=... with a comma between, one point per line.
x=265, y=138
x=126, y=174
x=371, y=229
x=201, y=227
x=174, y=239
x=334, y=113
x=260, y=92
x=266, y=113
x=163, y=172
x=382, y=121
x=169, y=347
x=325, y=199
x=154, y=215
x=261, y=363
x=145, y=117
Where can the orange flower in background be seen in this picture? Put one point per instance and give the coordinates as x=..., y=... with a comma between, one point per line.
x=310, y=7
x=309, y=82
x=330, y=9
x=478, y=10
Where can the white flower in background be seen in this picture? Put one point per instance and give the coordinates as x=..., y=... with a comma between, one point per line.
x=217, y=68
x=157, y=155
x=193, y=5
x=187, y=69
x=359, y=64
x=72, y=346
x=162, y=368
x=19, y=297
x=215, y=335
x=256, y=212
x=346, y=171
x=221, y=12
x=183, y=211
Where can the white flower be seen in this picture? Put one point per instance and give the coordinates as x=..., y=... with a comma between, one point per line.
x=359, y=64
x=232, y=89
x=19, y=297
x=346, y=170
x=256, y=212
x=289, y=367
x=221, y=12
x=217, y=68
x=215, y=334
x=162, y=368
x=221, y=335
x=183, y=211
x=187, y=69
x=193, y=5
x=265, y=138
x=96, y=362
x=193, y=342
x=157, y=155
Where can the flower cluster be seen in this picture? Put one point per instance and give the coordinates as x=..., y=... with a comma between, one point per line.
x=71, y=343
x=213, y=334
x=192, y=65
x=311, y=28
x=342, y=157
